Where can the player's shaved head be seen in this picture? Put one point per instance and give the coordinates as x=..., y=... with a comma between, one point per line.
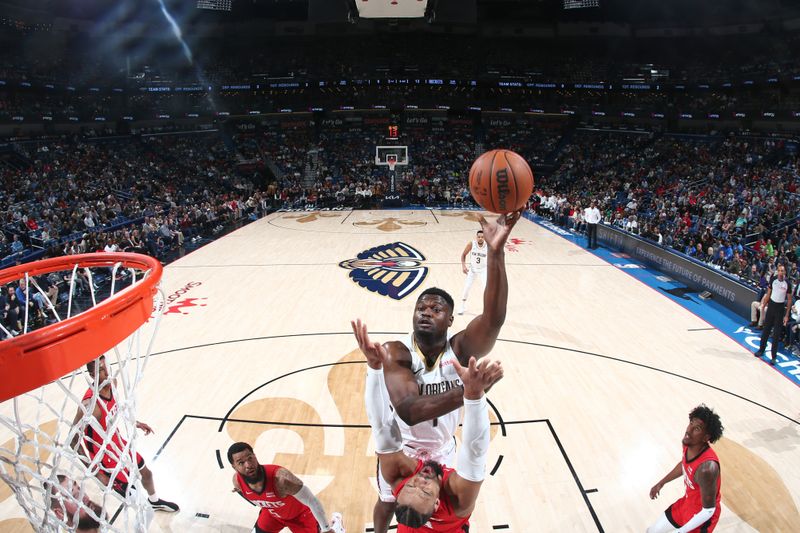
x=436, y=291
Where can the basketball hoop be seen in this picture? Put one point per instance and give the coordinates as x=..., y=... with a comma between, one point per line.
x=392, y=162
x=110, y=300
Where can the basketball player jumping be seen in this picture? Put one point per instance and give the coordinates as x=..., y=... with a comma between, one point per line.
x=430, y=496
x=96, y=441
x=284, y=501
x=419, y=373
x=698, y=510
x=476, y=250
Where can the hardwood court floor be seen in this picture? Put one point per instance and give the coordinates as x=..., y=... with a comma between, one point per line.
x=601, y=372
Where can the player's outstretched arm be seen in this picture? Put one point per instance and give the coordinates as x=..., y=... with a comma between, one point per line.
x=287, y=484
x=675, y=473
x=464, y=254
x=388, y=441
x=465, y=483
x=478, y=338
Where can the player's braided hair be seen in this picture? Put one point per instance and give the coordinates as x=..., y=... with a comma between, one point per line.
x=410, y=517
x=711, y=420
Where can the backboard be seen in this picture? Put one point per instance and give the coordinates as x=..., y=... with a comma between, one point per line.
x=368, y=9
x=384, y=155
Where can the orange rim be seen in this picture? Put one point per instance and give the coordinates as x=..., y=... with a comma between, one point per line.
x=34, y=359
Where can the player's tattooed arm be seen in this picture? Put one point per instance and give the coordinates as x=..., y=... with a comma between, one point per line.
x=286, y=483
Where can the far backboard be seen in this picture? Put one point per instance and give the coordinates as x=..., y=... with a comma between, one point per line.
x=384, y=153
x=370, y=9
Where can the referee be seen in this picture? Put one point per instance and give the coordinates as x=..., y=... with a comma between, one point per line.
x=592, y=217
x=778, y=301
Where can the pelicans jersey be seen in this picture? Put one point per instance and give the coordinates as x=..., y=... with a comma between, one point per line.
x=432, y=437
x=477, y=257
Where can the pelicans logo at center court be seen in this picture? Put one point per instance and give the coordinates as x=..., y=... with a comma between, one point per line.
x=392, y=270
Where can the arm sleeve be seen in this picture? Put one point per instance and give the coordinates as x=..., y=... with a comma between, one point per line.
x=381, y=419
x=475, y=440
x=306, y=497
x=697, y=520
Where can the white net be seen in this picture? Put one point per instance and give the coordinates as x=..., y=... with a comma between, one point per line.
x=68, y=448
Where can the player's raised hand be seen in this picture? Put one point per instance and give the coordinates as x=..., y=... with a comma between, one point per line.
x=373, y=351
x=496, y=233
x=478, y=376
x=498, y=376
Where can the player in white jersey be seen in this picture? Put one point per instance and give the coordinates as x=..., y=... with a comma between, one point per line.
x=477, y=253
x=421, y=384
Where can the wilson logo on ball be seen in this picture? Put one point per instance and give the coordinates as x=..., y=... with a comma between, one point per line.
x=502, y=188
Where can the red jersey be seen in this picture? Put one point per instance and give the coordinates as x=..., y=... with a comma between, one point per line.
x=287, y=508
x=109, y=453
x=92, y=439
x=444, y=519
x=684, y=509
x=692, y=496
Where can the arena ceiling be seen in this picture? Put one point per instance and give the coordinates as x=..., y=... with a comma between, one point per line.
x=649, y=12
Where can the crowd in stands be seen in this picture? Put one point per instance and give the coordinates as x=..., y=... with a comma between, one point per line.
x=146, y=194
x=730, y=202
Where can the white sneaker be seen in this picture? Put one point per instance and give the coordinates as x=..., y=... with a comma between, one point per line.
x=337, y=523
x=461, y=310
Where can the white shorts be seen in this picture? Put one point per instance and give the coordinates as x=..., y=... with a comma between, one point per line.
x=446, y=455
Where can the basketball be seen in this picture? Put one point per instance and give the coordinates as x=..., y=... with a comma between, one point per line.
x=501, y=181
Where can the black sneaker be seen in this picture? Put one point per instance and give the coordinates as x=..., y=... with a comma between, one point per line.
x=759, y=353
x=772, y=361
x=164, y=505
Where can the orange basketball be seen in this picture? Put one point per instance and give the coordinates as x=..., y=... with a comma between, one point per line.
x=501, y=181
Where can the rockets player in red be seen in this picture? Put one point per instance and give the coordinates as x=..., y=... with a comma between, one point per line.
x=698, y=510
x=430, y=497
x=95, y=439
x=283, y=499
x=69, y=503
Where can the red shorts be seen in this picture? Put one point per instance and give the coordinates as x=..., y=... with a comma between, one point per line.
x=678, y=514
x=107, y=465
x=303, y=523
